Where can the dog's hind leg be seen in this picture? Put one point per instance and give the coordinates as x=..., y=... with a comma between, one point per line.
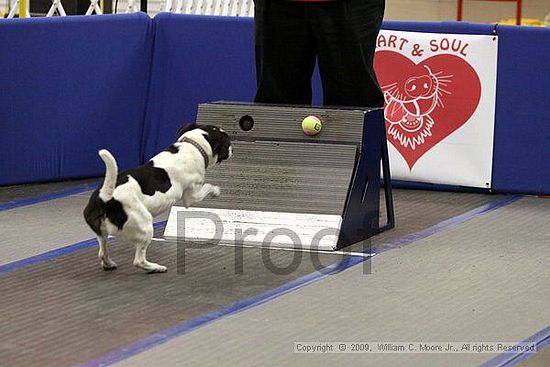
x=141, y=236
x=140, y=258
x=138, y=230
x=106, y=261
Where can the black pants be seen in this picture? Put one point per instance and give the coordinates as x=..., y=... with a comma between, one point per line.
x=341, y=35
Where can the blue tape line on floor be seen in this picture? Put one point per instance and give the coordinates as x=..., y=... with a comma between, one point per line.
x=541, y=340
x=46, y=256
x=34, y=260
x=47, y=197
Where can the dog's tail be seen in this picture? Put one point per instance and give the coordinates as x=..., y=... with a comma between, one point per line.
x=111, y=172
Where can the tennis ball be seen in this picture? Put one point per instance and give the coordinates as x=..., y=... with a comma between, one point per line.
x=312, y=125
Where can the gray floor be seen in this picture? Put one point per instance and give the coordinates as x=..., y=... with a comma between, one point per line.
x=482, y=280
x=485, y=280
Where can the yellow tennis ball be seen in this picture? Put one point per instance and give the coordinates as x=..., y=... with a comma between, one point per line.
x=312, y=125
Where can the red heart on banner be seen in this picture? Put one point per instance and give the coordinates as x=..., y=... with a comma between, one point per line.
x=425, y=102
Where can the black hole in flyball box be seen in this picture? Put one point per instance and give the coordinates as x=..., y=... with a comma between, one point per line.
x=246, y=123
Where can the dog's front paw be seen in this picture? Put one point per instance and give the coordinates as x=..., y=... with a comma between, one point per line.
x=150, y=267
x=108, y=265
x=158, y=269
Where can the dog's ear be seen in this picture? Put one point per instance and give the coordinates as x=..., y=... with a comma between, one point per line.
x=185, y=128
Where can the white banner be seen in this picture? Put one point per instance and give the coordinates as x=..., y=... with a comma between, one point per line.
x=440, y=105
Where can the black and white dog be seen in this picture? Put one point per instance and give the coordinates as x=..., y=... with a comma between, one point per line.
x=127, y=202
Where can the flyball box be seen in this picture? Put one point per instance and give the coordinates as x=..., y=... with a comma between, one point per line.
x=283, y=188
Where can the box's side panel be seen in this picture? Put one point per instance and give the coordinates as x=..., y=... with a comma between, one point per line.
x=361, y=215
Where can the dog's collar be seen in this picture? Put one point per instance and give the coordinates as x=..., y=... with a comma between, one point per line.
x=199, y=148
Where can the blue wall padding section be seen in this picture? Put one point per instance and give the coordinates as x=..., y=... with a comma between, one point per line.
x=521, y=159
x=70, y=86
x=196, y=59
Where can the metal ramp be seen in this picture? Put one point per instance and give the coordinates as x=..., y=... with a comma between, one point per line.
x=285, y=189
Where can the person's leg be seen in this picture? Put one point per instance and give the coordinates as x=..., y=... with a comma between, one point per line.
x=285, y=57
x=346, y=33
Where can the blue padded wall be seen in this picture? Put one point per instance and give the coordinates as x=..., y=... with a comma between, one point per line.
x=196, y=59
x=521, y=158
x=71, y=86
